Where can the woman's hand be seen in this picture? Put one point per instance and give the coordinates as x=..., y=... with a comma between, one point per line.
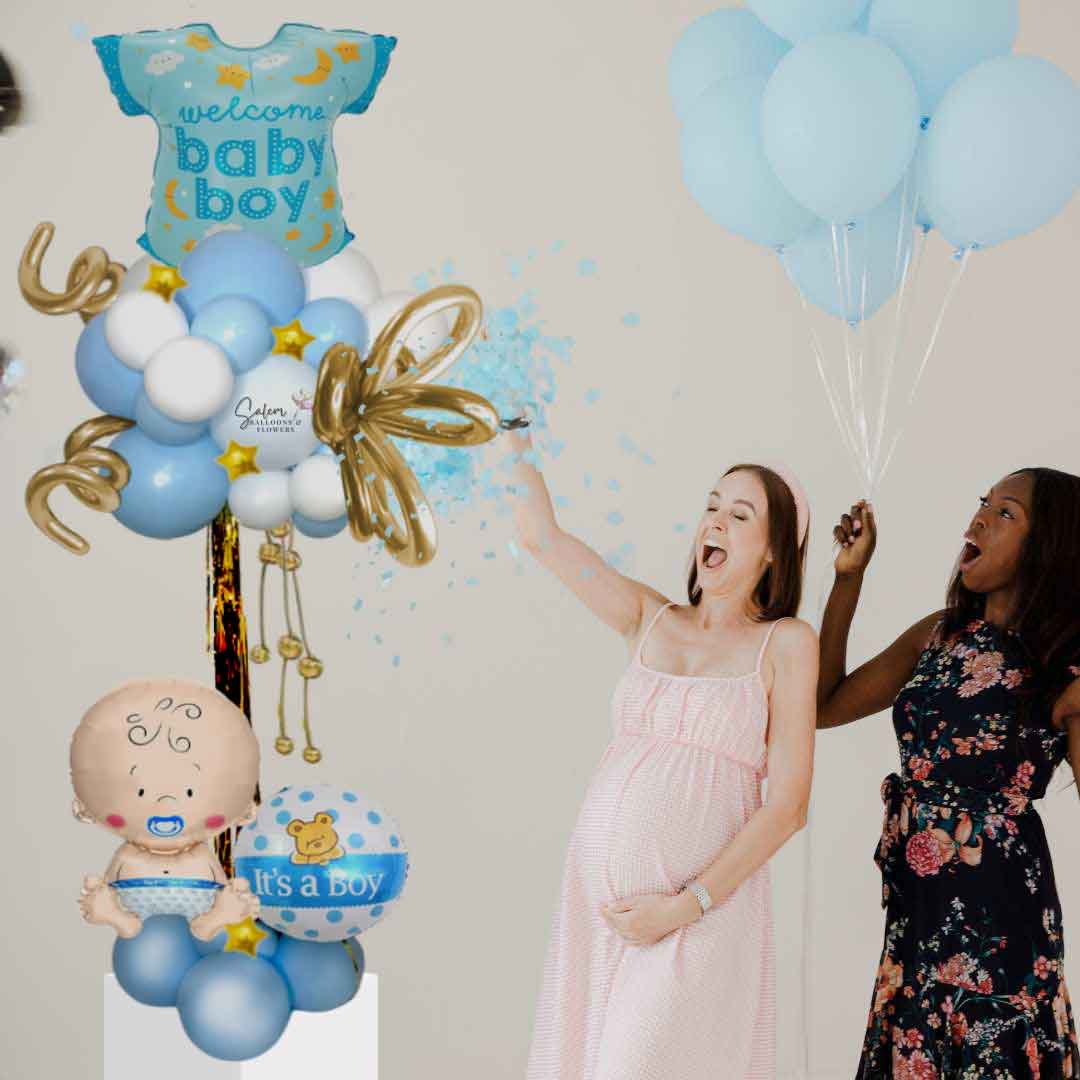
x=857, y=536
x=644, y=920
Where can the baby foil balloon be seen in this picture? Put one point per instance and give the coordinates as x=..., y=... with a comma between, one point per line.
x=166, y=765
x=245, y=133
x=324, y=863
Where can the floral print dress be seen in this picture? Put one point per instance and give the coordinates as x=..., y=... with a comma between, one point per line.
x=971, y=983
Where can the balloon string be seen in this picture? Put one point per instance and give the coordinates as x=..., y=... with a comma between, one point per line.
x=961, y=266
x=912, y=265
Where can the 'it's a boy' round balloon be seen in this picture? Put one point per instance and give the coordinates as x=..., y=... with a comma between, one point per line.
x=324, y=862
x=245, y=133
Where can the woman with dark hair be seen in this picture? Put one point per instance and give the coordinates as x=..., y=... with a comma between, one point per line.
x=985, y=702
x=661, y=957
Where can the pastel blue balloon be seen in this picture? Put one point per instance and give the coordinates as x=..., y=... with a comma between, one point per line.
x=725, y=169
x=110, y=385
x=265, y=948
x=319, y=530
x=320, y=975
x=240, y=326
x=723, y=44
x=1004, y=151
x=241, y=263
x=173, y=490
x=854, y=276
x=799, y=19
x=154, y=424
x=233, y=1007
x=332, y=321
x=840, y=122
x=150, y=966
x=941, y=39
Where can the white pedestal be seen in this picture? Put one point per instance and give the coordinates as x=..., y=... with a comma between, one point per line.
x=142, y=1041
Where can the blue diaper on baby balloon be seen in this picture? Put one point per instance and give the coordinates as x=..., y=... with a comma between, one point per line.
x=244, y=134
x=166, y=896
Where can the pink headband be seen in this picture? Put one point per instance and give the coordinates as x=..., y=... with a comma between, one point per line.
x=802, y=507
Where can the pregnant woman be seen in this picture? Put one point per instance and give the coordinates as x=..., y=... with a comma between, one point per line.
x=661, y=959
x=985, y=700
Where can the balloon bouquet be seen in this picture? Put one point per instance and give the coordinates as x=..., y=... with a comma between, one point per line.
x=249, y=375
x=840, y=135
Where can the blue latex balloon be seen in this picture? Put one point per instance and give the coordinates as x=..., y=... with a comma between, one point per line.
x=155, y=425
x=319, y=530
x=332, y=321
x=854, y=276
x=150, y=966
x=266, y=948
x=840, y=122
x=725, y=169
x=723, y=44
x=233, y=1007
x=321, y=975
x=1004, y=151
x=799, y=19
x=110, y=385
x=941, y=40
x=240, y=326
x=240, y=263
x=173, y=490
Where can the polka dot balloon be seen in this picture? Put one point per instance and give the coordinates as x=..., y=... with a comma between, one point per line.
x=325, y=863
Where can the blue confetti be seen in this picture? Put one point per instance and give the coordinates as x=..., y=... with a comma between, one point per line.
x=631, y=318
x=561, y=501
x=397, y=660
x=615, y=518
x=614, y=485
x=592, y=396
x=586, y=267
x=680, y=527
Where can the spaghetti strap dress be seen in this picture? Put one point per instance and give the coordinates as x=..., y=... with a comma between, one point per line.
x=681, y=776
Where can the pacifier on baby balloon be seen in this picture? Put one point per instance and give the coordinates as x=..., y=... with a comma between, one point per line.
x=165, y=826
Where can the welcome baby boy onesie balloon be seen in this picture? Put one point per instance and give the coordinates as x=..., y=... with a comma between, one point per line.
x=245, y=133
x=166, y=765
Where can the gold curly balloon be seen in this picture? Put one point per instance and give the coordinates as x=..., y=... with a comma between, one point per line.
x=79, y=473
x=91, y=269
x=359, y=404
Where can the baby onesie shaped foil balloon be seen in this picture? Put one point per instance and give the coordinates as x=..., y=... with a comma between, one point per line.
x=245, y=133
x=167, y=765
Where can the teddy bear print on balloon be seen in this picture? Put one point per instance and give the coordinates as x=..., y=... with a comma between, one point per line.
x=249, y=370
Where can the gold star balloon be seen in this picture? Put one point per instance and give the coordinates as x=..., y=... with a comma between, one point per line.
x=291, y=340
x=238, y=460
x=359, y=404
x=163, y=280
x=244, y=937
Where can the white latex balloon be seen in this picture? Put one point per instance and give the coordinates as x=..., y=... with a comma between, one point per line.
x=189, y=379
x=261, y=500
x=316, y=490
x=139, y=323
x=270, y=408
x=138, y=273
x=348, y=275
x=424, y=340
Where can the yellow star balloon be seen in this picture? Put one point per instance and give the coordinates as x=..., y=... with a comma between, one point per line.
x=164, y=280
x=359, y=404
x=238, y=460
x=291, y=340
x=244, y=937
x=348, y=51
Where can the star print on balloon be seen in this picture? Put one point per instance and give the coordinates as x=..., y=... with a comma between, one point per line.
x=245, y=134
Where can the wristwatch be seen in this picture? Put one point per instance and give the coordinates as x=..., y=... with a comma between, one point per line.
x=702, y=894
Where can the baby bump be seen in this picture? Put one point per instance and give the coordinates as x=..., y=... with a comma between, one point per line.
x=658, y=813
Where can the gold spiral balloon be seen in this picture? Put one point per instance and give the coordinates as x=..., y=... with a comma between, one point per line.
x=91, y=270
x=359, y=404
x=93, y=474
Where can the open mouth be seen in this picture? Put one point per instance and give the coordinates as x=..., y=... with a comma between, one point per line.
x=970, y=555
x=713, y=556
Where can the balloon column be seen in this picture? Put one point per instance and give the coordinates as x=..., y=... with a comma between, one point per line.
x=839, y=134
